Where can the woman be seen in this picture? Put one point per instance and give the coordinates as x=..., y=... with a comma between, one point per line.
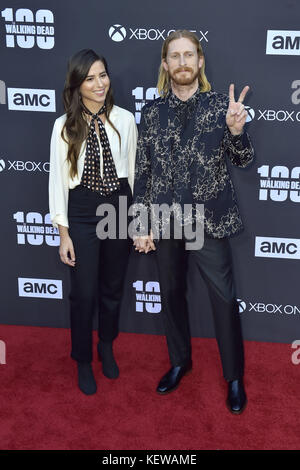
x=91, y=163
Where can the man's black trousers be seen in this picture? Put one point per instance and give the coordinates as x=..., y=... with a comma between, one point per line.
x=215, y=265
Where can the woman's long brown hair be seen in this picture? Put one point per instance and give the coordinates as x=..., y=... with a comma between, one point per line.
x=75, y=129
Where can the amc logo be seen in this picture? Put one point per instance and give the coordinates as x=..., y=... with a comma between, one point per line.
x=271, y=247
x=26, y=99
x=46, y=288
x=283, y=42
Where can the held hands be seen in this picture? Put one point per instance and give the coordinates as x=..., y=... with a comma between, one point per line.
x=144, y=244
x=236, y=114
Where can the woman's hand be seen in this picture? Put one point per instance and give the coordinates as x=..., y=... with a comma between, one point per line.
x=144, y=244
x=66, y=248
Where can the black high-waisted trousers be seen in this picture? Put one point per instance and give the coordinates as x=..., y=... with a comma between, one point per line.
x=98, y=276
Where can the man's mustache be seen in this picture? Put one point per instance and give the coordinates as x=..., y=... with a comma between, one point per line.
x=183, y=69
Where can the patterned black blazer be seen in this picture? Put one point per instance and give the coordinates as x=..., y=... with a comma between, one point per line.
x=181, y=158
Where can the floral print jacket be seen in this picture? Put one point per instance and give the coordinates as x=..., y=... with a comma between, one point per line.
x=181, y=158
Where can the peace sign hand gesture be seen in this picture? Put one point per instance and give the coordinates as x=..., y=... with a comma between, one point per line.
x=236, y=114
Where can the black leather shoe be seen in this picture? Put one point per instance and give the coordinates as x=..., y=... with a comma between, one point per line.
x=171, y=380
x=236, y=400
x=86, y=379
x=109, y=366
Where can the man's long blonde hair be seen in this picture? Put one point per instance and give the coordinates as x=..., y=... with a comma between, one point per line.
x=163, y=84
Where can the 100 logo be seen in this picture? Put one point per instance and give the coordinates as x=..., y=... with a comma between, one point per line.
x=148, y=298
x=279, y=184
x=20, y=30
x=35, y=229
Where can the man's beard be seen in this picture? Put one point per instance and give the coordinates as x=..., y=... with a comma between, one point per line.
x=184, y=80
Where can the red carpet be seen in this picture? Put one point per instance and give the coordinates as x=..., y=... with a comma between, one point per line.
x=42, y=408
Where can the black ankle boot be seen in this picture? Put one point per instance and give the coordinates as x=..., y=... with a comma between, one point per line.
x=109, y=366
x=236, y=399
x=86, y=379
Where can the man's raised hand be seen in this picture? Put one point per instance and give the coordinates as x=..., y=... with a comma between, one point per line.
x=236, y=114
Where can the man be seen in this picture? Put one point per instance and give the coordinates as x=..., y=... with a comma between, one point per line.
x=184, y=138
